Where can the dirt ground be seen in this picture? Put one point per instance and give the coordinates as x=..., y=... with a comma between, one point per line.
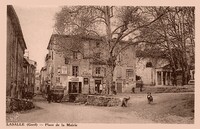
x=170, y=108
x=166, y=108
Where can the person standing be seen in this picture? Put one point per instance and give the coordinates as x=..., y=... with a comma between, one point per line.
x=104, y=88
x=100, y=88
x=13, y=89
x=141, y=85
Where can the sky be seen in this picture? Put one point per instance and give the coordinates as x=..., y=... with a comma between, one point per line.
x=37, y=27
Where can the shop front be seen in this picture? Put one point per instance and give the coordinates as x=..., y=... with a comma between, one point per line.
x=75, y=84
x=98, y=85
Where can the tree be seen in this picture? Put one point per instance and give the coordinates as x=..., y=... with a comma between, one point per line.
x=111, y=24
x=173, y=34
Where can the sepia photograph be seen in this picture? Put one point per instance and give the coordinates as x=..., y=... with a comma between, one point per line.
x=100, y=64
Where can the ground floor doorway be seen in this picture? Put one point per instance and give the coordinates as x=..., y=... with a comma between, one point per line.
x=75, y=87
x=119, y=87
x=163, y=78
x=97, y=85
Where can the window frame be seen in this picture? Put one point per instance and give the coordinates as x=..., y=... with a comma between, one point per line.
x=85, y=81
x=75, y=70
x=98, y=70
x=97, y=44
x=129, y=72
x=75, y=55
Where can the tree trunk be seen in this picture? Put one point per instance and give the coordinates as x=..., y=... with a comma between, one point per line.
x=109, y=79
x=109, y=73
x=185, y=75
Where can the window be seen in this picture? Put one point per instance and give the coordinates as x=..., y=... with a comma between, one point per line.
x=66, y=61
x=149, y=64
x=64, y=70
x=75, y=55
x=59, y=70
x=119, y=57
x=85, y=81
x=57, y=79
x=97, y=44
x=74, y=70
x=129, y=73
x=98, y=70
x=98, y=55
x=33, y=80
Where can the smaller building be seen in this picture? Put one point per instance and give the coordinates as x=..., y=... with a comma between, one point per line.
x=43, y=79
x=37, y=83
x=29, y=69
x=154, y=71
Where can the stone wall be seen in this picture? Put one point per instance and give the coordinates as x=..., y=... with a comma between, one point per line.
x=97, y=100
x=81, y=98
x=13, y=104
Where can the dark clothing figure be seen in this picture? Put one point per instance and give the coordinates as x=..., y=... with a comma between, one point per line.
x=125, y=102
x=141, y=86
x=114, y=92
x=149, y=98
x=49, y=97
x=48, y=94
x=133, y=90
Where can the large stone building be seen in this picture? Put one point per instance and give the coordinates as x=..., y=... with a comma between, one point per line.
x=15, y=55
x=79, y=73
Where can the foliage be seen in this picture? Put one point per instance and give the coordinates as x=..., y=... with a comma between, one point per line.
x=173, y=36
x=163, y=30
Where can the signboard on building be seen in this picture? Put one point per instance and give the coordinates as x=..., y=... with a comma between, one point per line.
x=75, y=79
x=86, y=74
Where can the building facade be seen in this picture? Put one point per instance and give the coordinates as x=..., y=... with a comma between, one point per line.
x=78, y=73
x=43, y=79
x=154, y=71
x=37, y=83
x=15, y=55
x=31, y=75
x=29, y=69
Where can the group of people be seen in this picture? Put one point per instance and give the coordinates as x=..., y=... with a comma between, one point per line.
x=101, y=89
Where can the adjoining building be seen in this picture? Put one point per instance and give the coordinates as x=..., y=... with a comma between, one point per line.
x=79, y=73
x=29, y=75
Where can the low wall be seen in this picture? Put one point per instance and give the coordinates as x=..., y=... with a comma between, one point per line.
x=14, y=104
x=81, y=98
x=97, y=100
x=169, y=89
